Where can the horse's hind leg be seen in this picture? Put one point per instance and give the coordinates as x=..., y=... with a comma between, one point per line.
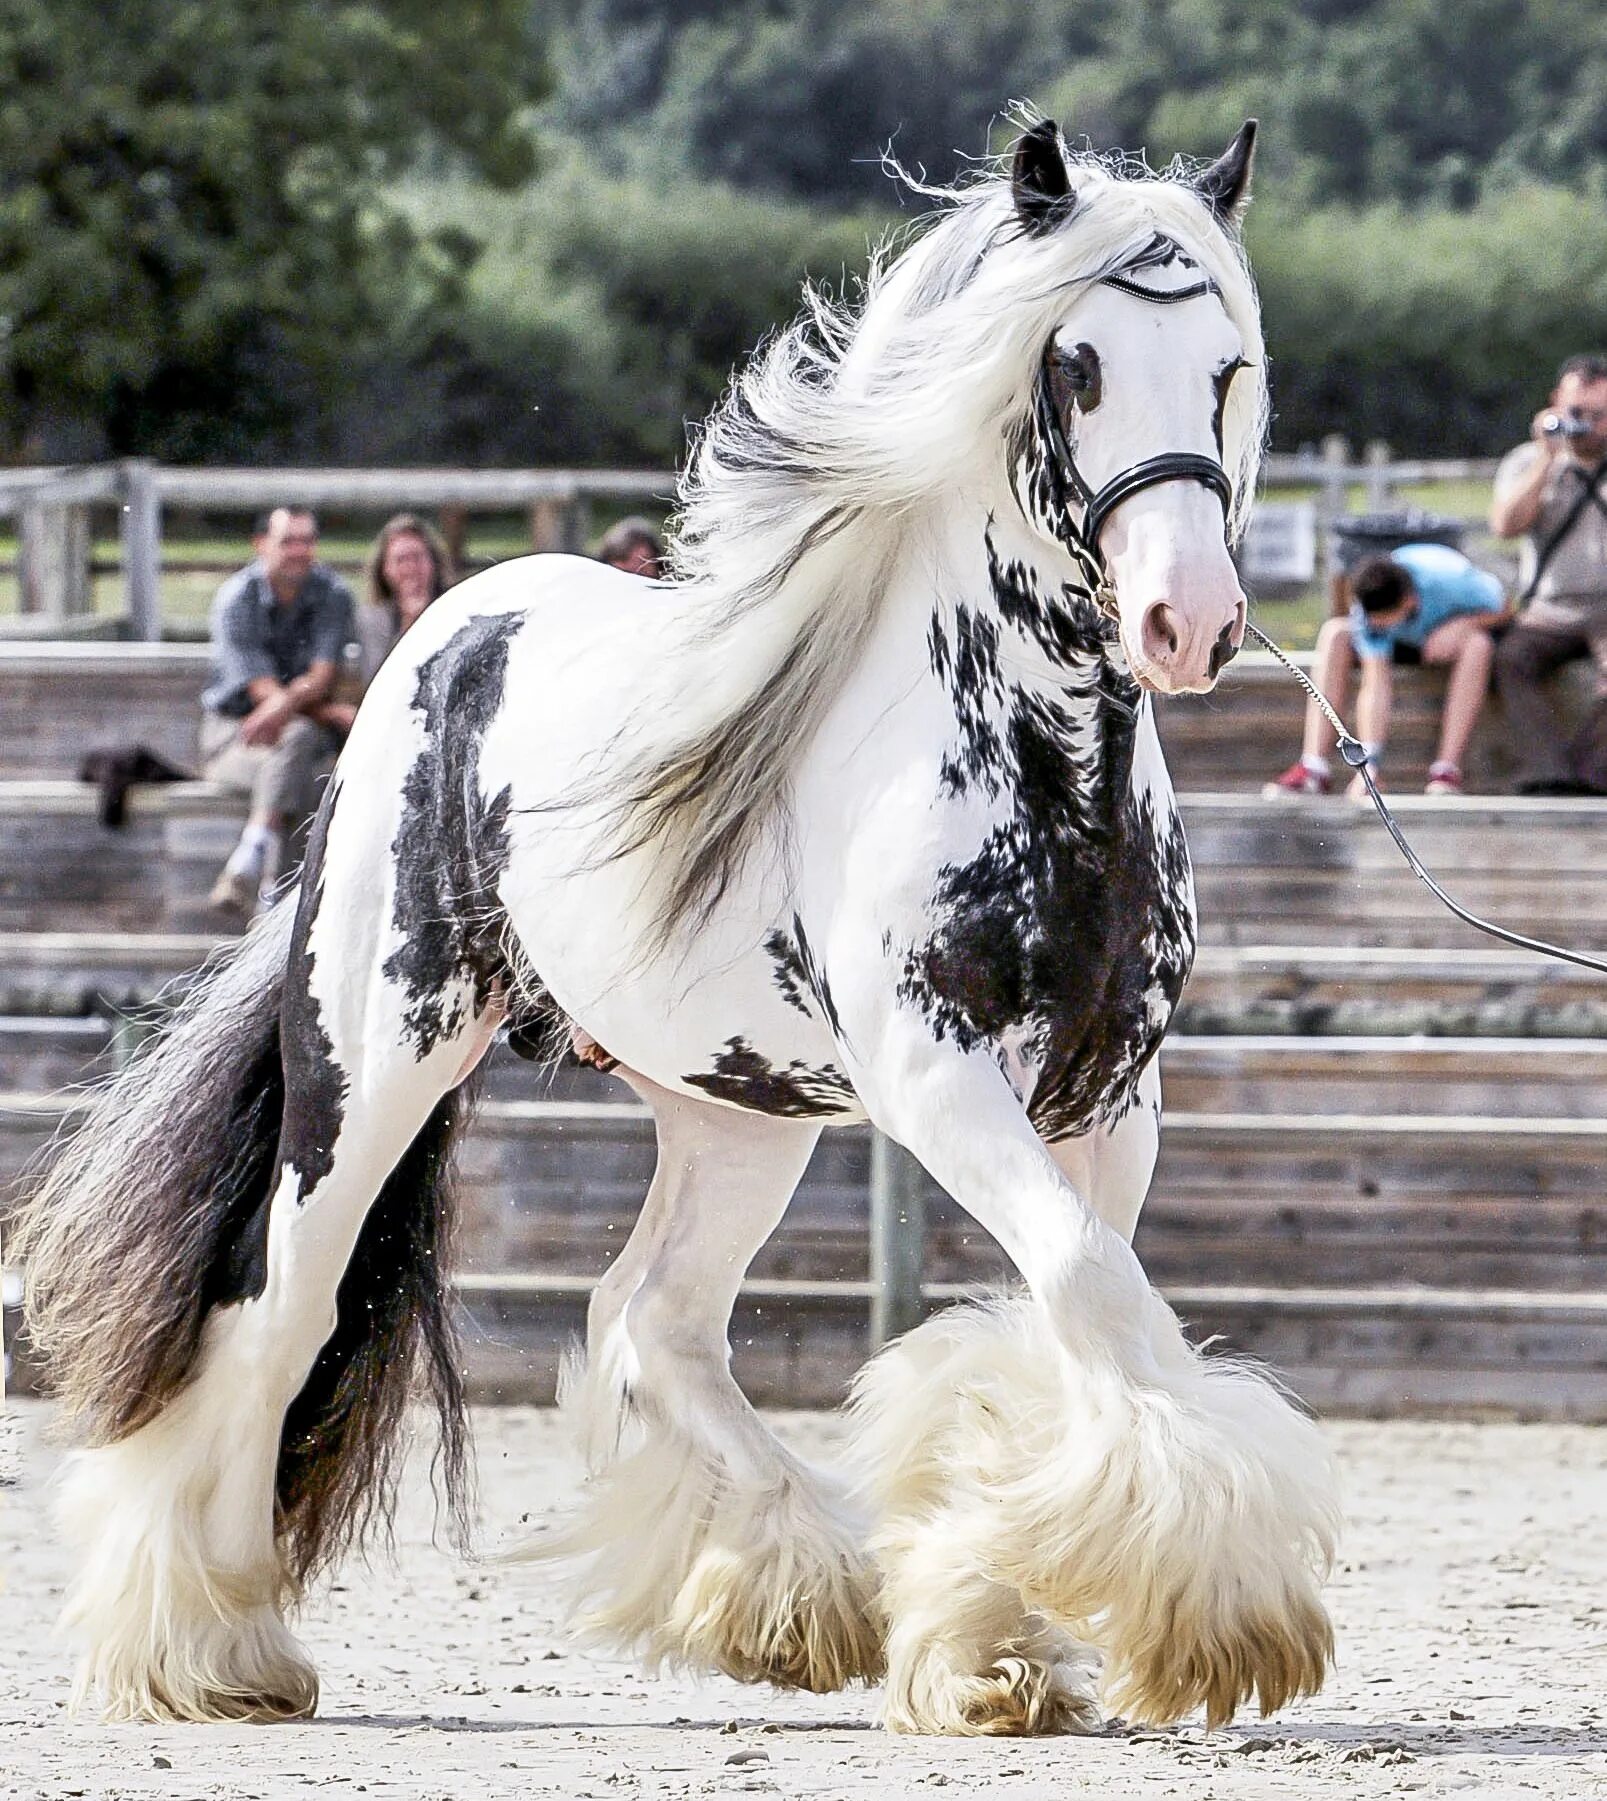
x=197, y=1530
x=701, y=1540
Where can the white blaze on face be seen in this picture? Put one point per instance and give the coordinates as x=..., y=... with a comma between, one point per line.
x=1178, y=593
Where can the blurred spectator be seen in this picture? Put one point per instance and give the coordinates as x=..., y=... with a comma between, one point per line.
x=1554, y=490
x=1424, y=603
x=633, y=546
x=407, y=567
x=279, y=631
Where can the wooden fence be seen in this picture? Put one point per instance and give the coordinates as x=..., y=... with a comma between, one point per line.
x=54, y=508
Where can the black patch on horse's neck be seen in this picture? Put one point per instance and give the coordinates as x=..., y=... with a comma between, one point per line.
x=1061, y=621
x=1221, y=383
x=316, y=1086
x=1073, y=914
x=1057, y=626
x=451, y=845
x=742, y=1075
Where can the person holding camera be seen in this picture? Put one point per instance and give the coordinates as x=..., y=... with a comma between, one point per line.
x=1553, y=490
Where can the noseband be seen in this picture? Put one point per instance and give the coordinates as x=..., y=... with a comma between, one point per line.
x=1097, y=506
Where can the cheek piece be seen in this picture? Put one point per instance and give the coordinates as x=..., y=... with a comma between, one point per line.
x=1085, y=510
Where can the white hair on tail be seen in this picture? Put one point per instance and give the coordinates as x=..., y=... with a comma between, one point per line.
x=807, y=479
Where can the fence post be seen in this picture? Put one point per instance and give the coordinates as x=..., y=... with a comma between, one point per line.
x=142, y=548
x=555, y=524
x=897, y=1239
x=1335, y=497
x=53, y=559
x=1380, y=490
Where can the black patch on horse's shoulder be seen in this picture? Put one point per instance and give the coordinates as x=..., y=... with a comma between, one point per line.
x=741, y=1075
x=315, y=1085
x=451, y=844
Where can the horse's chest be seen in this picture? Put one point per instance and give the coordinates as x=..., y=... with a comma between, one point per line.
x=1063, y=952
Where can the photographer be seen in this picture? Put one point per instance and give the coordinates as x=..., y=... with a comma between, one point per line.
x=1554, y=490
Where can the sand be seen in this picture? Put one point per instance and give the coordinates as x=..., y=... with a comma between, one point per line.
x=1471, y=1608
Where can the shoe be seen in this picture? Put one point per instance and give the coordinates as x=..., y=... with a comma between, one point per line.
x=235, y=893
x=1444, y=778
x=1297, y=779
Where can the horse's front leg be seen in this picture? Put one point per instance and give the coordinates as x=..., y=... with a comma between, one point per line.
x=1066, y=1467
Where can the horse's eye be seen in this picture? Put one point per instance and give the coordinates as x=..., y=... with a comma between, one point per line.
x=1074, y=379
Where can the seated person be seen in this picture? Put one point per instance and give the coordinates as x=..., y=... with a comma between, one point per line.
x=279, y=632
x=1424, y=603
x=408, y=567
x=633, y=546
x=1554, y=490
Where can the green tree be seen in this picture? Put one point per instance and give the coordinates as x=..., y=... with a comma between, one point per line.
x=193, y=217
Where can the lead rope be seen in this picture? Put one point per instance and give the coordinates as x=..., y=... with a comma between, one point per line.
x=1354, y=752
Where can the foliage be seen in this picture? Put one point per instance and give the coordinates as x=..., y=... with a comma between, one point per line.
x=602, y=318
x=1434, y=330
x=1403, y=100
x=192, y=216
x=237, y=231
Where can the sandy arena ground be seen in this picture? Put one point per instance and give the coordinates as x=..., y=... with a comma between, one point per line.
x=1471, y=1608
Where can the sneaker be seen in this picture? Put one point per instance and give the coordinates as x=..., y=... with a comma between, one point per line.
x=1444, y=778
x=234, y=892
x=1297, y=779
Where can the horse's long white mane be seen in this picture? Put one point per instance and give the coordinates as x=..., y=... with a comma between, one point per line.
x=807, y=479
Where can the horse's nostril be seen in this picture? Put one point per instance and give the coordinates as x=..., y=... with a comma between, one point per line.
x=1160, y=632
x=1223, y=651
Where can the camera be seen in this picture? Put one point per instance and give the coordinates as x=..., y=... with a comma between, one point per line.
x=1565, y=425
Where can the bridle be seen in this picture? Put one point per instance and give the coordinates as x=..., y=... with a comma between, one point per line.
x=1082, y=539
x=1086, y=520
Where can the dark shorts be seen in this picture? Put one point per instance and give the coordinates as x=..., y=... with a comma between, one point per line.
x=1407, y=656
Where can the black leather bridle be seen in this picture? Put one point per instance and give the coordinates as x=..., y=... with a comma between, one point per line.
x=1096, y=506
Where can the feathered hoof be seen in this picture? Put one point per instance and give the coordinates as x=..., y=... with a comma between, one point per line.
x=262, y=1678
x=293, y=1698
x=737, y=1618
x=1271, y=1656
x=1016, y=1697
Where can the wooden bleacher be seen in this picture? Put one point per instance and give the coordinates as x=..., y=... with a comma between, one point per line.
x=1382, y=1163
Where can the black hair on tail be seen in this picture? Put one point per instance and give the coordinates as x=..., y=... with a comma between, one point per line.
x=340, y=1457
x=153, y=1211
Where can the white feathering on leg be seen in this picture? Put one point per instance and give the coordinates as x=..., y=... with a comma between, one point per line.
x=1180, y=1523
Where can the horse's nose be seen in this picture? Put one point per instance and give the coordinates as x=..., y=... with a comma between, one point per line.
x=1223, y=651
x=1160, y=634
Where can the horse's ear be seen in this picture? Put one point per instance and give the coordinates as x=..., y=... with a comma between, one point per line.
x=1225, y=186
x=1040, y=182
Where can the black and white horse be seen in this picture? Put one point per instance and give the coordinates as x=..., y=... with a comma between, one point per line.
x=861, y=815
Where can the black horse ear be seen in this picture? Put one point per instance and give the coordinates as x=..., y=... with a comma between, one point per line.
x=1225, y=186
x=1040, y=182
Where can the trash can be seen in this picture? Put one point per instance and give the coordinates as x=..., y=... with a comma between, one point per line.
x=1360, y=535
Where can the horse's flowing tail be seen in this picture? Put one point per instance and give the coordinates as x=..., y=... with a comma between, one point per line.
x=156, y=1206
x=154, y=1215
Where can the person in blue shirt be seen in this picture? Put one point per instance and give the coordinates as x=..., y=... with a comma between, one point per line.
x=1424, y=603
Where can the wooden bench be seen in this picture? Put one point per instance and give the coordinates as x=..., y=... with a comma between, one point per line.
x=1292, y=872
x=59, y=700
